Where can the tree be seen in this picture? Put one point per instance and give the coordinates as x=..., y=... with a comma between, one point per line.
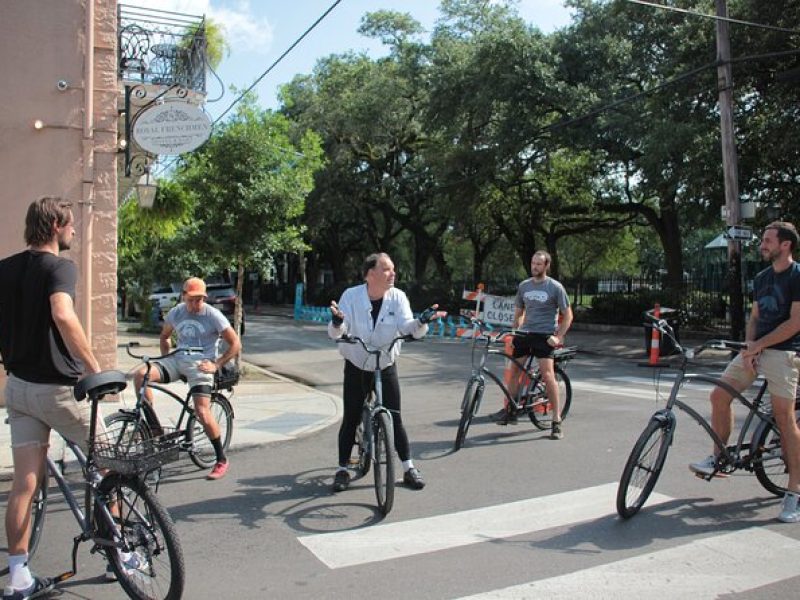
x=250, y=181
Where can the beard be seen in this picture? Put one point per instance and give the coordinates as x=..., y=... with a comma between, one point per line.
x=64, y=244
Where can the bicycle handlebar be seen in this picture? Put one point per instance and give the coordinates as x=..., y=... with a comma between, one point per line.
x=354, y=339
x=716, y=344
x=147, y=359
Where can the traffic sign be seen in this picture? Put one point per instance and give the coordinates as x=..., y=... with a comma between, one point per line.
x=740, y=232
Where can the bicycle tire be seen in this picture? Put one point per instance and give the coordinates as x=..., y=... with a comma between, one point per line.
x=127, y=428
x=540, y=410
x=145, y=528
x=200, y=449
x=383, y=470
x=767, y=459
x=363, y=459
x=38, y=518
x=38, y=515
x=643, y=467
x=470, y=404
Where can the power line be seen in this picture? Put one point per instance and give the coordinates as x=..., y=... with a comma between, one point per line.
x=279, y=59
x=714, y=17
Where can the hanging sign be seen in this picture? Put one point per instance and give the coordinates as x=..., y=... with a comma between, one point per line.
x=171, y=128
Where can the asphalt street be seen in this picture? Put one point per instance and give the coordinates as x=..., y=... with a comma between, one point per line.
x=511, y=515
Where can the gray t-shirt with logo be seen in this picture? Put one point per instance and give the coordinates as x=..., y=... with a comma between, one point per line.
x=542, y=301
x=198, y=330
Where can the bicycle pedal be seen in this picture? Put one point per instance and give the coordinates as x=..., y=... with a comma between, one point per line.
x=63, y=577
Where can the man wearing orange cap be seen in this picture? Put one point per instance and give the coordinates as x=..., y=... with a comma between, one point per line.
x=198, y=325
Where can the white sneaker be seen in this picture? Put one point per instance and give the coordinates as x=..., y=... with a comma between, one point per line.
x=131, y=562
x=706, y=466
x=789, y=510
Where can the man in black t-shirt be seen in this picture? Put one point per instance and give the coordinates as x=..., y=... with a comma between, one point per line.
x=773, y=340
x=45, y=351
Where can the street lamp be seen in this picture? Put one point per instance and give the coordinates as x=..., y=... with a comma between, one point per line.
x=146, y=191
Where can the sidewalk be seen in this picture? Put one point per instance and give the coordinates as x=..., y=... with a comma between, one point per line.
x=267, y=407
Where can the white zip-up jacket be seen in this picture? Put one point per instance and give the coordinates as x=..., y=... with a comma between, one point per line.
x=395, y=318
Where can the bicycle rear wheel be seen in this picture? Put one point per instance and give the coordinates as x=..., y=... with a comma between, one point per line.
x=149, y=561
x=38, y=517
x=200, y=450
x=540, y=409
x=643, y=467
x=767, y=460
x=469, y=408
x=383, y=442
x=126, y=429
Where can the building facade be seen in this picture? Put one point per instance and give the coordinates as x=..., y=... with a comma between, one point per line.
x=59, y=137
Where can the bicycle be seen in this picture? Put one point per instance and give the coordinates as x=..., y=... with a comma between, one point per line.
x=141, y=422
x=531, y=397
x=762, y=455
x=375, y=432
x=121, y=515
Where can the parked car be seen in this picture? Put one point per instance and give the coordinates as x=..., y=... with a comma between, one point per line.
x=223, y=297
x=165, y=296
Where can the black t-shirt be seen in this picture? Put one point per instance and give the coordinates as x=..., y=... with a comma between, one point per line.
x=774, y=294
x=30, y=342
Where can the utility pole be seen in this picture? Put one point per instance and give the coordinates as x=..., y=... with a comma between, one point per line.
x=730, y=170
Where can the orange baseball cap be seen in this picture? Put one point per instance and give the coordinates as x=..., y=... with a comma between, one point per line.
x=194, y=286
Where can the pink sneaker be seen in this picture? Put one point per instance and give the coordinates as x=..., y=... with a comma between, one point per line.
x=219, y=470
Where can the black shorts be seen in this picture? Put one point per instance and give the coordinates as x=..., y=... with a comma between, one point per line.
x=533, y=344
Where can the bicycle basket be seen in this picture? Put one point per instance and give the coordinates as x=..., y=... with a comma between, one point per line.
x=131, y=457
x=227, y=377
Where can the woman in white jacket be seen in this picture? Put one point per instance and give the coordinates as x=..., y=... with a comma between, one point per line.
x=376, y=312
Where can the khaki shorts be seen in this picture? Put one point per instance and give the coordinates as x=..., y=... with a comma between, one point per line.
x=187, y=365
x=36, y=408
x=778, y=367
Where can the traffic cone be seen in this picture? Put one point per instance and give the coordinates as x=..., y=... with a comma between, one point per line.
x=655, y=340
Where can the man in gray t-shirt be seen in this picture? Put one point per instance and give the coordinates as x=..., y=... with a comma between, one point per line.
x=197, y=325
x=537, y=306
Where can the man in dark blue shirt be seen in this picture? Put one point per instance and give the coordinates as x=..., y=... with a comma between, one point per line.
x=773, y=340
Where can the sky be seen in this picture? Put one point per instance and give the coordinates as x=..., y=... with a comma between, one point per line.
x=259, y=31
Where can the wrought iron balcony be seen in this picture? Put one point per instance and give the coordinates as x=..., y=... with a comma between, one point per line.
x=161, y=48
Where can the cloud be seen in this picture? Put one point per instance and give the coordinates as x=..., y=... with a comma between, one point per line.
x=244, y=30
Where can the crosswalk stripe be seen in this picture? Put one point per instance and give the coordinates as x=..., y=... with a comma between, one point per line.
x=430, y=534
x=630, y=392
x=702, y=570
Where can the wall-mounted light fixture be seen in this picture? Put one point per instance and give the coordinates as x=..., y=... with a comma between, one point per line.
x=146, y=190
x=38, y=125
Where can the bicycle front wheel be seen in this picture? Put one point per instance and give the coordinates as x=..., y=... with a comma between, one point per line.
x=148, y=561
x=469, y=407
x=643, y=468
x=768, y=464
x=382, y=444
x=201, y=451
x=540, y=408
x=362, y=449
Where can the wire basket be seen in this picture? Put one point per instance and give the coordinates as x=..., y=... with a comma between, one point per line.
x=135, y=456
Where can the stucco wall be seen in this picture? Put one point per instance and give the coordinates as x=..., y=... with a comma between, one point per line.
x=43, y=42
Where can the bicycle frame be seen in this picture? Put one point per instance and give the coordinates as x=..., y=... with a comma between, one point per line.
x=729, y=454
x=144, y=409
x=92, y=478
x=526, y=369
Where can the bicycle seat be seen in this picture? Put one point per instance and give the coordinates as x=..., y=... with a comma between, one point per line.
x=565, y=353
x=100, y=384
